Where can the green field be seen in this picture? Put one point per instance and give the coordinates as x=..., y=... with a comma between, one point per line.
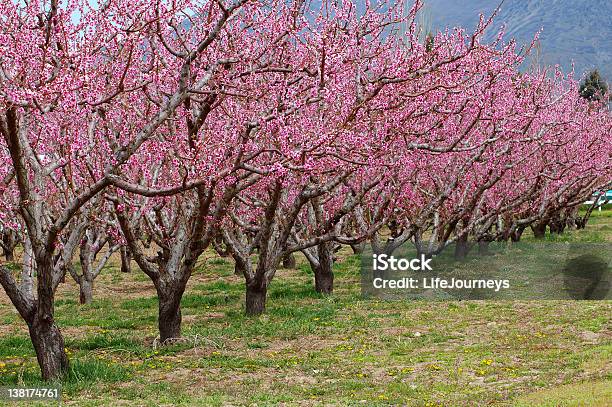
x=314, y=350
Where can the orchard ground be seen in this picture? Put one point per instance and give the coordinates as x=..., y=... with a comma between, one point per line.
x=310, y=349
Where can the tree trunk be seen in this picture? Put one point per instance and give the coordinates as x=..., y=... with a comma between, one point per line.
x=581, y=222
x=289, y=261
x=539, y=230
x=322, y=267
x=561, y=227
x=126, y=259
x=557, y=224
x=483, y=247
x=571, y=218
x=427, y=249
x=358, y=248
x=516, y=234
x=27, y=282
x=169, y=313
x=38, y=314
x=238, y=270
x=256, y=298
x=49, y=346
x=85, y=290
x=324, y=279
x=461, y=248
x=9, y=240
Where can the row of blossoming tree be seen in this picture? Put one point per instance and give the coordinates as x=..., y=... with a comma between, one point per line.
x=258, y=129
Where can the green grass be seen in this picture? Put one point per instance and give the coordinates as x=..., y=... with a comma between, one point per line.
x=109, y=342
x=581, y=394
x=18, y=345
x=82, y=374
x=309, y=349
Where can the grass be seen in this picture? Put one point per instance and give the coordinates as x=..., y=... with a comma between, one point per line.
x=83, y=373
x=581, y=394
x=310, y=349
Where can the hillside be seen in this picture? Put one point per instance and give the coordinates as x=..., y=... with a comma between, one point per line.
x=578, y=30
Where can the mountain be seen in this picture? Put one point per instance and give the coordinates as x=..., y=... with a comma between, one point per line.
x=573, y=30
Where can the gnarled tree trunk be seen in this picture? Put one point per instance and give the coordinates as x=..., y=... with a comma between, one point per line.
x=170, y=293
x=46, y=337
x=539, y=229
x=321, y=259
x=324, y=279
x=289, y=261
x=37, y=312
x=515, y=235
x=169, y=317
x=256, y=292
x=49, y=346
x=462, y=247
x=557, y=224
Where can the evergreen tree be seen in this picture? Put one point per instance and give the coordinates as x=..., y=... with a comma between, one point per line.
x=594, y=87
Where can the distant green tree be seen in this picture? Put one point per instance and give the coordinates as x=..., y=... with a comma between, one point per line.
x=429, y=42
x=594, y=87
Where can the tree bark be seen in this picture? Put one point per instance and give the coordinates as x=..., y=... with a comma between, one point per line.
x=85, y=290
x=9, y=242
x=126, y=259
x=9, y=256
x=238, y=270
x=557, y=224
x=515, y=235
x=49, y=346
x=256, y=298
x=323, y=269
x=46, y=337
x=539, y=230
x=581, y=222
x=483, y=247
x=324, y=279
x=358, y=248
x=289, y=261
x=571, y=218
x=170, y=317
x=461, y=248
x=38, y=313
